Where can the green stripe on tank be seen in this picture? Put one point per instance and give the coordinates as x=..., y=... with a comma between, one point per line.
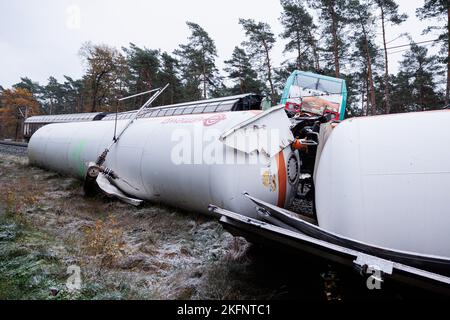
x=75, y=156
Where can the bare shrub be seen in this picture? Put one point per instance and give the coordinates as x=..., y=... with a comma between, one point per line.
x=105, y=239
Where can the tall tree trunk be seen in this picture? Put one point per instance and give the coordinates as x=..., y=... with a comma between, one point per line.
x=421, y=101
x=81, y=105
x=447, y=91
x=367, y=98
x=204, y=71
x=299, y=50
x=386, y=67
x=370, y=78
x=204, y=81
x=315, y=52
x=94, y=100
x=363, y=94
x=241, y=80
x=335, y=39
x=17, y=129
x=269, y=73
x=369, y=70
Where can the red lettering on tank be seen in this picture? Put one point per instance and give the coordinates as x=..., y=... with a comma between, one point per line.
x=213, y=119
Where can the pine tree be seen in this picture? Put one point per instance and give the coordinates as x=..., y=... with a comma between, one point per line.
x=53, y=96
x=197, y=63
x=333, y=17
x=299, y=31
x=389, y=13
x=416, y=75
x=66, y=97
x=240, y=70
x=360, y=72
x=439, y=9
x=168, y=73
x=401, y=93
x=260, y=41
x=31, y=86
x=351, y=81
x=73, y=95
x=282, y=73
x=143, y=66
x=362, y=20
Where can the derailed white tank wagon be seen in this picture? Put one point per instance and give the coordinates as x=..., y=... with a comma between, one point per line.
x=385, y=180
x=382, y=200
x=188, y=160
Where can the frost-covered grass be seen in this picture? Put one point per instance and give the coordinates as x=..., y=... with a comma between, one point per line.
x=150, y=252
x=124, y=252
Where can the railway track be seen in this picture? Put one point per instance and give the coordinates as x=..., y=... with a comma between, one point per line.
x=14, y=148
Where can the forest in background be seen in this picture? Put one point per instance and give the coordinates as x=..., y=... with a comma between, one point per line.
x=330, y=37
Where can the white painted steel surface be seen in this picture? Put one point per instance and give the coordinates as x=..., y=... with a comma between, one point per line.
x=385, y=180
x=144, y=158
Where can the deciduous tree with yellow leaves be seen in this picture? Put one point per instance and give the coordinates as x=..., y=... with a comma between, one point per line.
x=14, y=102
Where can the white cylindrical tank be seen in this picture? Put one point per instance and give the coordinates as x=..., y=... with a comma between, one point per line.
x=385, y=180
x=177, y=160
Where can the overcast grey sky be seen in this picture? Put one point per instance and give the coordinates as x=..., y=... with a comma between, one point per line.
x=41, y=38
